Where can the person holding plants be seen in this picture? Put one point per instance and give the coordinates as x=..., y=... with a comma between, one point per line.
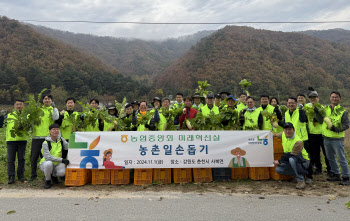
x=209, y=107
x=271, y=115
x=334, y=137
x=188, y=113
x=274, y=102
x=179, y=101
x=65, y=125
x=251, y=118
x=94, y=104
x=41, y=131
x=197, y=101
x=15, y=145
x=242, y=102
x=315, y=134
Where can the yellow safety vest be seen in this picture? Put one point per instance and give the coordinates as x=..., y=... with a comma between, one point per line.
x=336, y=121
x=251, y=119
x=206, y=111
x=56, y=151
x=267, y=123
x=10, y=124
x=300, y=128
x=42, y=130
x=288, y=145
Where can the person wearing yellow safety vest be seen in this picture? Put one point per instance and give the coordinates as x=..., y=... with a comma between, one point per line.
x=315, y=138
x=209, y=107
x=298, y=118
x=179, y=101
x=53, y=164
x=242, y=102
x=251, y=118
x=197, y=101
x=66, y=127
x=295, y=160
x=94, y=104
x=301, y=99
x=108, y=125
x=41, y=131
x=135, y=105
x=15, y=145
x=334, y=138
x=265, y=106
x=217, y=101
x=231, y=105
x=156, y=123
x=274, y=102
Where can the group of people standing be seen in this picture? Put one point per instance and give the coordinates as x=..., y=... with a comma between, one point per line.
x=308, y=135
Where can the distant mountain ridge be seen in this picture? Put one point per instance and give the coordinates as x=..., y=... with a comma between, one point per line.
x=30, y=61
x=337, y=35
x=277, y=63
x=139, y=59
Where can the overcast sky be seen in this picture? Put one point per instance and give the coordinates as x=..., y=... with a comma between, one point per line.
x=176, y=11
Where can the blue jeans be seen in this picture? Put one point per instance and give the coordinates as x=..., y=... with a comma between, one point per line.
x=290, y=169
x=336, y=147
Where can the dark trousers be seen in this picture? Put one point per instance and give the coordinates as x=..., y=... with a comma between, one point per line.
x=309, y=169
x=14, y=147
x=35, y=153
x=316, y=143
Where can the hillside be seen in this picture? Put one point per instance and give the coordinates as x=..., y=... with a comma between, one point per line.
x=30, y=61
x=277, y=63
x=334, y=35
x=136, y=58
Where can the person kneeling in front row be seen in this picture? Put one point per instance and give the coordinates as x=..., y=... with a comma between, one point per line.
x=52, y=164
x=295, y=160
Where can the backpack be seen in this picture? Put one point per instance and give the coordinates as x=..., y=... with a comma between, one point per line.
x=64, y=152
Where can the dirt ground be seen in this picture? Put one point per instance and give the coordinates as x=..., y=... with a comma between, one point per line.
x=319, y=187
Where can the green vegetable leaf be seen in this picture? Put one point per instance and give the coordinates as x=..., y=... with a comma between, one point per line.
x=347, y=205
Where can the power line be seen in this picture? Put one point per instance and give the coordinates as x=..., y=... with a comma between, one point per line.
x=185, y=23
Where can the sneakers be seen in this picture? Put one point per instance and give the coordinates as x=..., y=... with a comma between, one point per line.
x=47, y=184
x=308, y=181
x=334, y=177
x=11, y=180
x=22, y=178
x=345, y=181
x=300, y=185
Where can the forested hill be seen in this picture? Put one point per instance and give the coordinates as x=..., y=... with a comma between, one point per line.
x=334, y=35
x=30, y=61
x=277, y=63
x=137, y=58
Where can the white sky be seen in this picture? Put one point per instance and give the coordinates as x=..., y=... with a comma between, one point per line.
x=176, y=11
